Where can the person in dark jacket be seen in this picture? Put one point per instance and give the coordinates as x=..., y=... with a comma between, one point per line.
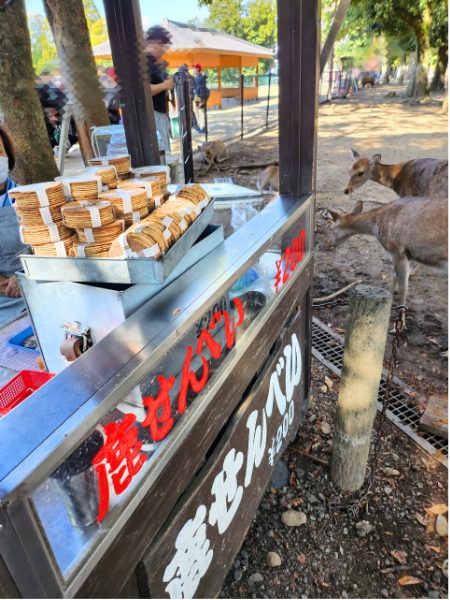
x=201, y=93
x=157, y=41
x=185, y=69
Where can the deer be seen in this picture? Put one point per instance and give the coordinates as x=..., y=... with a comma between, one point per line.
x=409, y=229
x=426, y=177
x=213, y=152
x=269, y=179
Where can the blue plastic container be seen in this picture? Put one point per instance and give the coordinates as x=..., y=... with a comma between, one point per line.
x=18, y=340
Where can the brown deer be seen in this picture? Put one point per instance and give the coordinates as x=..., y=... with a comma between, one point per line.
x=420, y=177
x=411, y=228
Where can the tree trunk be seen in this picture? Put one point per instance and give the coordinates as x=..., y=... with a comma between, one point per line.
x=437, y=83
x=19, y=101
x=69, y=26
x=418, y=85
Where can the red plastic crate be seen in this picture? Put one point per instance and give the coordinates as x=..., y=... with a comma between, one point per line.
x=20, y=387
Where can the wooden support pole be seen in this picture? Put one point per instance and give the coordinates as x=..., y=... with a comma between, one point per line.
x=365, y=342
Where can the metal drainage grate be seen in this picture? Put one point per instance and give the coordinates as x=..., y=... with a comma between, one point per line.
x=328, y=347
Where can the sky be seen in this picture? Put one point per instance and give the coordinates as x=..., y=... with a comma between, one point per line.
x=152, y=11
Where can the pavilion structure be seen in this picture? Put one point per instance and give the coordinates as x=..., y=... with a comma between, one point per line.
x=221, y=55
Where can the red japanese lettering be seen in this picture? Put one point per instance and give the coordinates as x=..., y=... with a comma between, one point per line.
x=278, y=274
x=292, y=255
x=118, y=461
x=189, y=379
x=240, y=308
x=206, y=339
x=159, y=410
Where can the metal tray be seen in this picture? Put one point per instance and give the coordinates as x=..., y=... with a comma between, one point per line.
x=181, y=256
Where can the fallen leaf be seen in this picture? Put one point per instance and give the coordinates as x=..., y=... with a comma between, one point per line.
x=421, y=519
x=297, y=501
x=433, y=548
x=409, y=580
x=400, y=556
x=437, y=509
x=301, y=558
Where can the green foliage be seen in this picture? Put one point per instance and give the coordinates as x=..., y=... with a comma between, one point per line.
x=252, y=20
x=260, y=23
x=43, y=47
x=42, y=44
x=438, y=31
x=98, y=31
x=226, y=15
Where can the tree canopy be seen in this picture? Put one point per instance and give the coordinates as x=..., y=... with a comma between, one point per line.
x=43, y=47
x=252, y=20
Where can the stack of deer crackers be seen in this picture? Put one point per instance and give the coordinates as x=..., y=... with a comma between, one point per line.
x=96, y=213
x=155, y=234
x=121, y=162
x=38, y=207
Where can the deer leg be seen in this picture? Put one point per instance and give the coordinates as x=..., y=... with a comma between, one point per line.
x=401, y=265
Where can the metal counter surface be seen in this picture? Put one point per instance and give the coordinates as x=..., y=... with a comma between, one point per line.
x=56, y=418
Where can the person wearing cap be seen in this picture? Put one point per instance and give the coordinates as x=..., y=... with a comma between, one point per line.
x=157, y=41
x=11, y=305
x=201, y=92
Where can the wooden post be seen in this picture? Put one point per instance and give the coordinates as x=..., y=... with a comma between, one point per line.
x=365, y=342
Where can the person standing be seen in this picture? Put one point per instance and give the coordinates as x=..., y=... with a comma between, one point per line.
x=185, y=69
x=157, y=41
x=201, y=93
x=11, y=305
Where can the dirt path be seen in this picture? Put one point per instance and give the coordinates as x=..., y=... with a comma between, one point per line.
x=371, y=123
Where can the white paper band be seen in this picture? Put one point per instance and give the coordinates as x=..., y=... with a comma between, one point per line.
x=167, y=234
x=94, y=213
x=183, y=225
x=60, y=249
x=151, y=252
x=136, y=217
x=46, y=215
x=88, y=234
x=41, y=192
x=167, y=221
x=54, y=233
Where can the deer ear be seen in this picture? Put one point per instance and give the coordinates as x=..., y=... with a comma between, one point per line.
x=334, y=215
x=355, y=155
x=357, y=208
x=376, y=158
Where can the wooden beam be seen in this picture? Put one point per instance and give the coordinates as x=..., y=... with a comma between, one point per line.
x=298, y=42
x=123, y=18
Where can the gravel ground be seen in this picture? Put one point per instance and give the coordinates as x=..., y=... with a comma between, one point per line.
x=340, y=551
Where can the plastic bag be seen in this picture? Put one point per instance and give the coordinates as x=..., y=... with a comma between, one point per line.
x=240, y=215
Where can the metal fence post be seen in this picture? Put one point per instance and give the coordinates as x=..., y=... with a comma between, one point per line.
x=182, y=93
x=242, y=105
x=268, y=100
x=205, y=126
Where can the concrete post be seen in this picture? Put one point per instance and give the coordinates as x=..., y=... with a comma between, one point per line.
x=365, y=343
